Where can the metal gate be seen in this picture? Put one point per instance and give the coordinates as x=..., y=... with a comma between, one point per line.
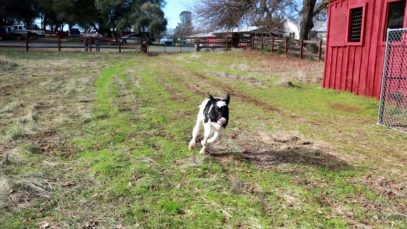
x=393, y=103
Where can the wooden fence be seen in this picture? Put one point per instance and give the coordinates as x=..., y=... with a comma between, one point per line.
x=56, y=43
x=301, y=48
x=311, y=49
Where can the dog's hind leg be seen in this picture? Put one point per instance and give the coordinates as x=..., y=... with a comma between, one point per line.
x=215, y=137
x=195, y=133
x=207, y=133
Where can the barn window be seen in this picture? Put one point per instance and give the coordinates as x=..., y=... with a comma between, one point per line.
x=395, y=15
x=355, y=24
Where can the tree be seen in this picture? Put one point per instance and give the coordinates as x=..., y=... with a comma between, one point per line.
x=56, y=14
x=264, y=13
x=231, y=13
x=145, y=16
x=24, y=11
x=184, y=28
x=149, y=20
x=309, y=11
x=104, y=16
x=114, y=14
x=5, y=6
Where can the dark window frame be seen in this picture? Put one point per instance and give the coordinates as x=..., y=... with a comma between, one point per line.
x=386, y=15
x=355, y=24
x=363, y=6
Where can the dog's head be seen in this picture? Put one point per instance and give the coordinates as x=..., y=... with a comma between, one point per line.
x=220, y=110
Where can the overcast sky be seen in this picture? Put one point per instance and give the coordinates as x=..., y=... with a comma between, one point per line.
x=174, y=8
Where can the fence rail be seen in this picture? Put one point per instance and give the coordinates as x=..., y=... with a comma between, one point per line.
x=56, y=43
x=311, y=49
x=302, y=48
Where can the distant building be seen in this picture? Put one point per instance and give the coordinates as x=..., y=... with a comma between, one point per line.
x=319, y=31
x=291, y=29
x=239, y=36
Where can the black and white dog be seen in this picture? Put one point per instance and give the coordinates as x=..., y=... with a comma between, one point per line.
x=213, y=116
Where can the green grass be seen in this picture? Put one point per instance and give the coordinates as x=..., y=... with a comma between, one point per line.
x=130, y=164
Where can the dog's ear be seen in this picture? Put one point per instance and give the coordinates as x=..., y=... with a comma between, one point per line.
x=227, y=99
x=210, y=97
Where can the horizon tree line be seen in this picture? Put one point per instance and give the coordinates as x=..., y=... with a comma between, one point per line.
x=105, y=16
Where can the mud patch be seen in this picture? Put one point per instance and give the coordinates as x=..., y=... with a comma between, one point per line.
x=286, y=83
x=346, y=108
x=11, y=89
x=50, y=142
x=266, y=150
x=26, y=190
x=13, y=157
x=19, y=193
x=385, y=186
x=5, y=189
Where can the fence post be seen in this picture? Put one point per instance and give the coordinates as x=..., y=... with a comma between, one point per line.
x=262, y=41
x=90, y=44
x=26, y=42
x=59, y=43
x=286, y=45
x=144, y=46
x=97, y=44
x=227, y=42
x=301, y=48
x=252, y=41
x=320, y=51
x=272, y=43
x=120, y=47
x=197, y=45
x=85, y=42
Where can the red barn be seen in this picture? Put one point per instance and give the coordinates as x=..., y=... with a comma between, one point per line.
x=356, y=43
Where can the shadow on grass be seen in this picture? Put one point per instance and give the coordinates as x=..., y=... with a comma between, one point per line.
x=297, y=155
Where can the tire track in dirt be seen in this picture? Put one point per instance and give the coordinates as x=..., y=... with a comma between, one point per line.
x=224, y=87
x=174, y=93
x=239, y=95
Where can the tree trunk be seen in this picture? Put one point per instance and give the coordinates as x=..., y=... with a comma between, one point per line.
x=44, y=22
x=306, y=19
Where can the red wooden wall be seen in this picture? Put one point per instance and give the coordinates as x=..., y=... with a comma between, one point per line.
x=356, y=66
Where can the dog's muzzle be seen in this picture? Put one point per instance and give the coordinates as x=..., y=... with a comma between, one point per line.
x=222, y=121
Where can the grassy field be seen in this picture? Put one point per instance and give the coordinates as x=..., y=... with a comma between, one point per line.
x=100, y=141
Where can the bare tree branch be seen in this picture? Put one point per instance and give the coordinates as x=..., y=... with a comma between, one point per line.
x=231, y=13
